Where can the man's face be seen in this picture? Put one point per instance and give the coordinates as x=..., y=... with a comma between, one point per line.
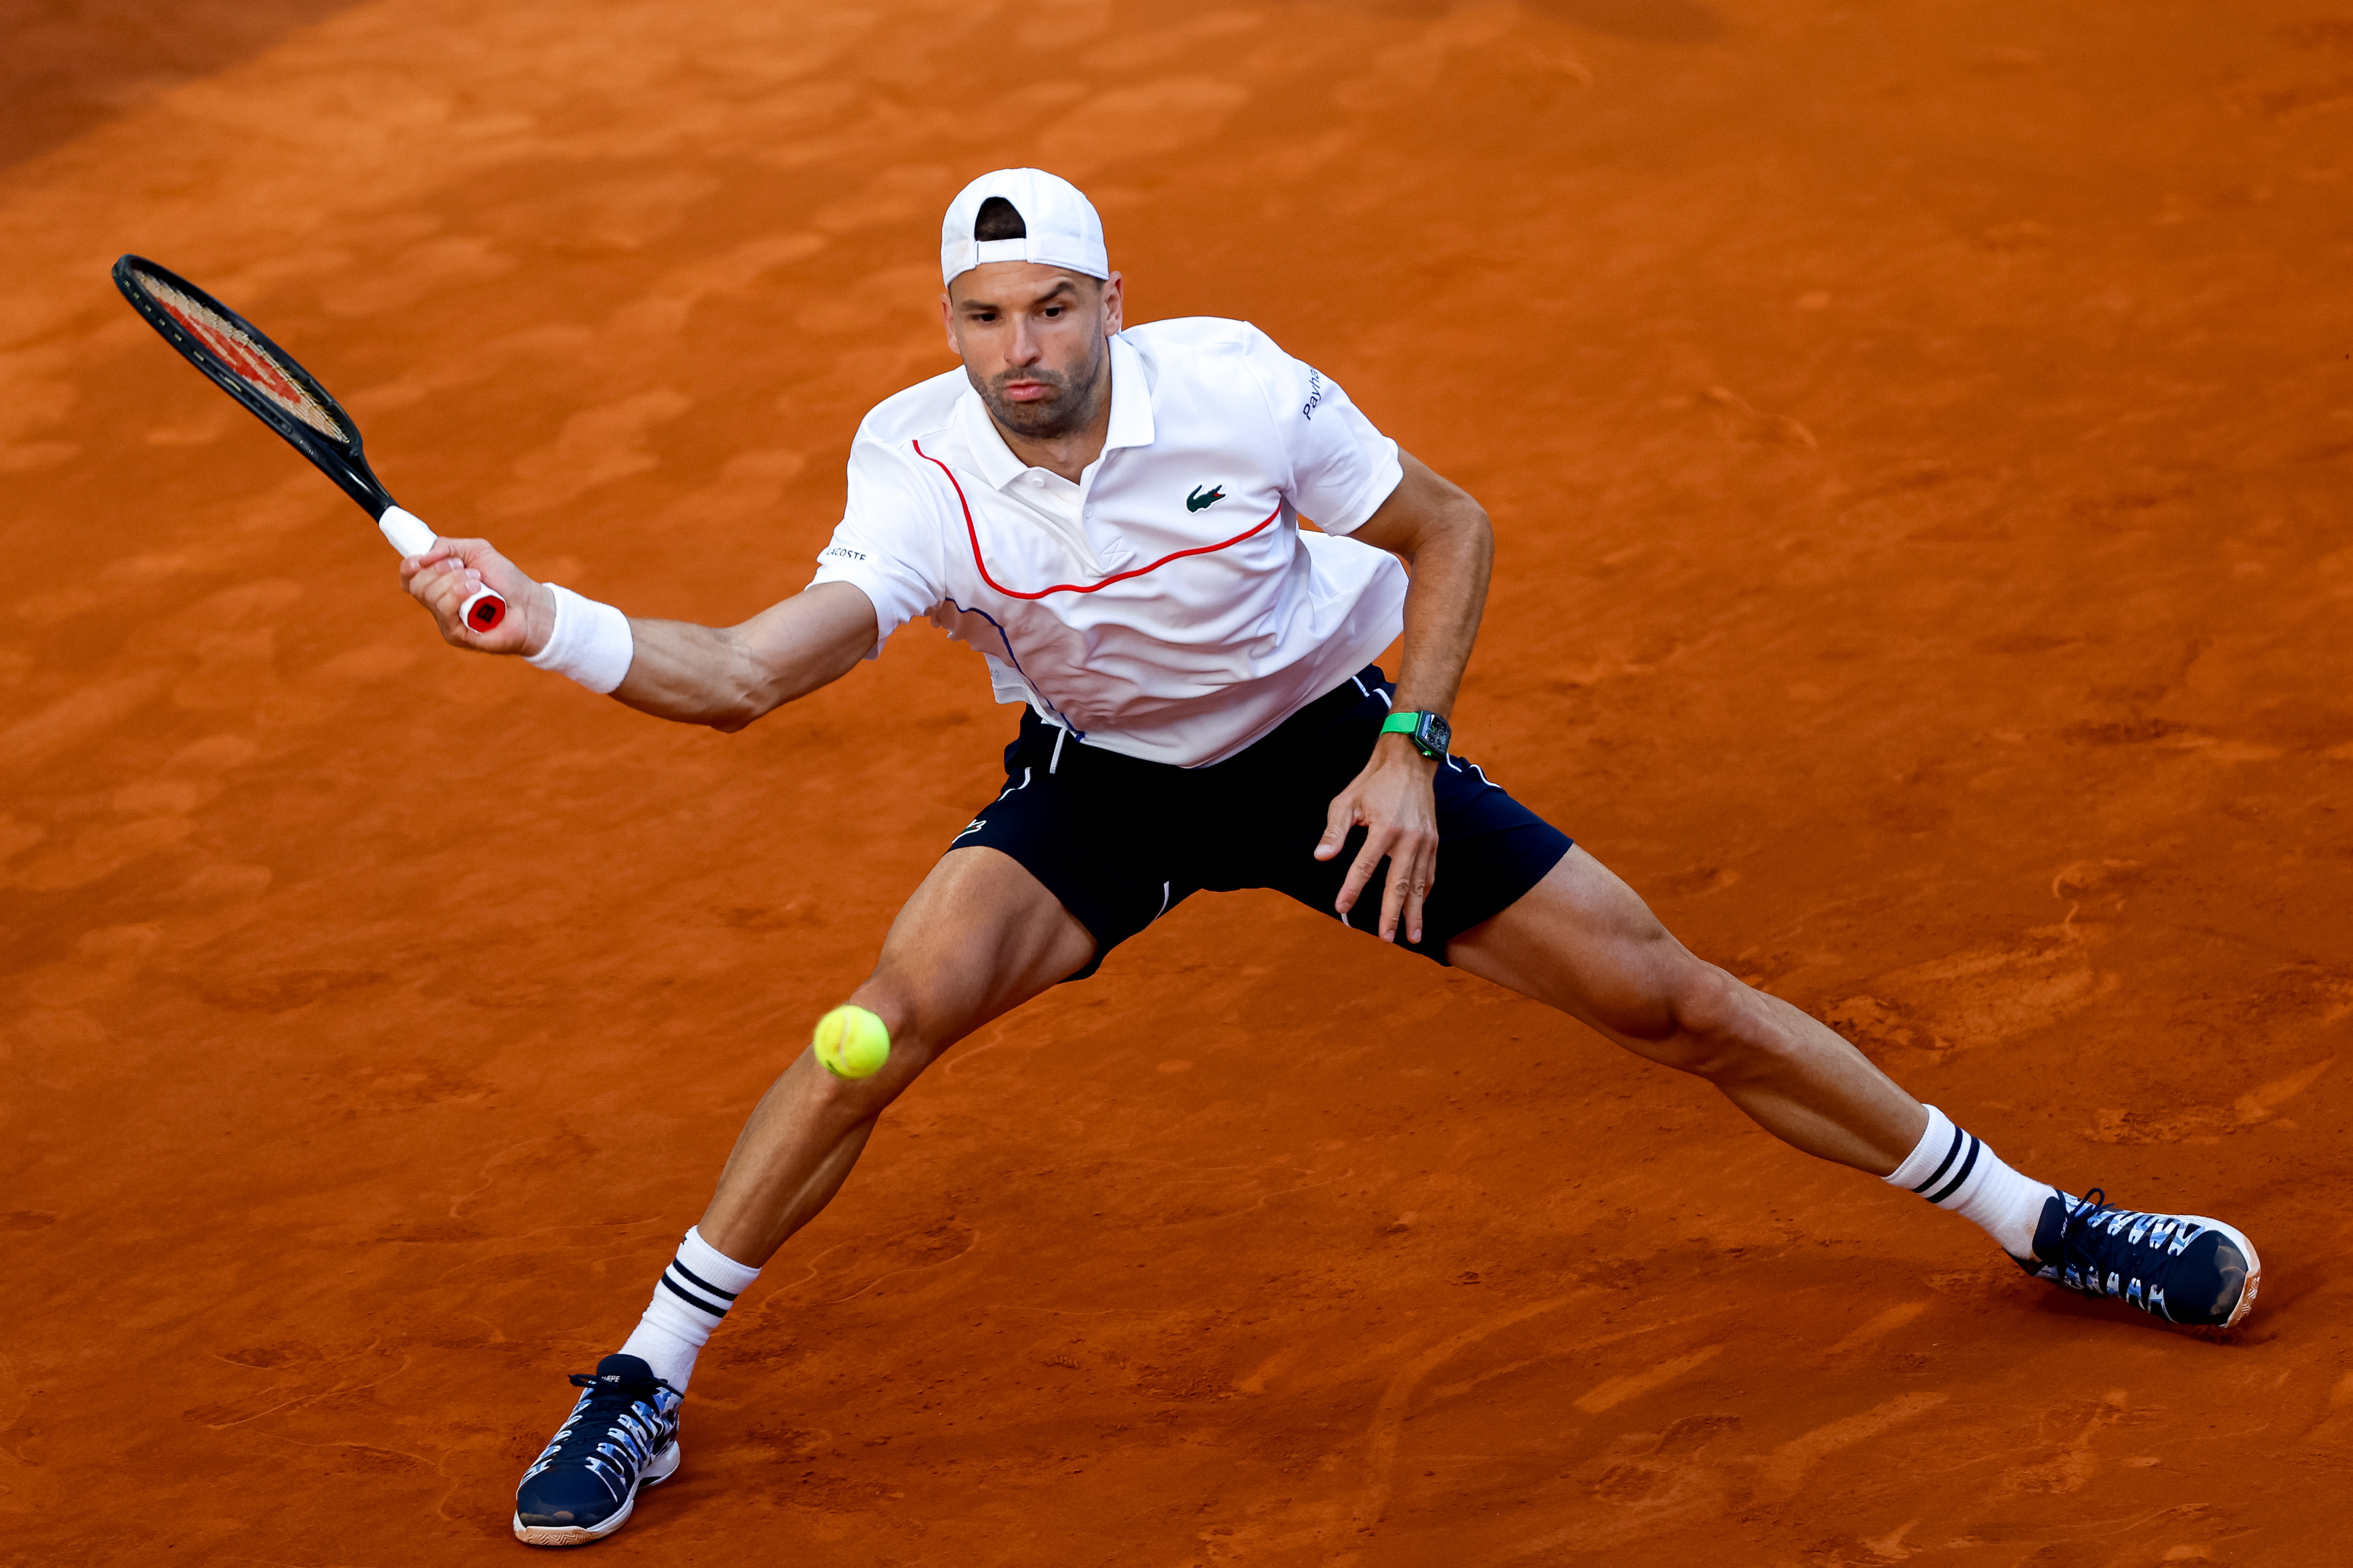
x=1032, y=339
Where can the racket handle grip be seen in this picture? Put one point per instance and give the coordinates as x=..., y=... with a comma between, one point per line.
x=483, y=609
x=407, y=531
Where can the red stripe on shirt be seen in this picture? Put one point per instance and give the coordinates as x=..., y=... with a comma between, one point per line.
x=973, y=533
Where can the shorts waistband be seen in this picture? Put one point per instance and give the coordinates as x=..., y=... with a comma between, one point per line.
x=1038, y=740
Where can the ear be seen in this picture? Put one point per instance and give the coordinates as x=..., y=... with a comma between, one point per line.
x=947, y=323
x=1114, y=305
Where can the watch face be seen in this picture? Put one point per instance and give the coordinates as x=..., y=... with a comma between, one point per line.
x=1436, y=734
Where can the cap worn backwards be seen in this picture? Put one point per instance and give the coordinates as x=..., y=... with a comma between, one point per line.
x=1021, y=214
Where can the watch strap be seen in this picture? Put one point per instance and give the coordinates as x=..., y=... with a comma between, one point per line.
x=1429, y=731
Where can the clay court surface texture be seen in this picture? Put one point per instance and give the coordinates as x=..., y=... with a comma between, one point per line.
x=1917, y=437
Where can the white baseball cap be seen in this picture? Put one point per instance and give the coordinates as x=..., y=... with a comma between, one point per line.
x=1056, y=224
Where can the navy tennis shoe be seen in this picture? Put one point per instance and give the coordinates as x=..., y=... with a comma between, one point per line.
x=2184, y=1268
x=620, y=1439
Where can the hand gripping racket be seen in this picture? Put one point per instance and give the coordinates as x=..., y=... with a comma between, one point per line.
x=282, y=395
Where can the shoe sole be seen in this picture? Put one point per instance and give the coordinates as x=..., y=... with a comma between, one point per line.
x=664, y=1466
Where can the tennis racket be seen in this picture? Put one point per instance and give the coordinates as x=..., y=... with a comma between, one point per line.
x=282, y=395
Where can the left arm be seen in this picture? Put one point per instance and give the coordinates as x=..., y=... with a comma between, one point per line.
x=1442, y=536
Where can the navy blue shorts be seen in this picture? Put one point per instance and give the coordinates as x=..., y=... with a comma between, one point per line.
x=1121, y=842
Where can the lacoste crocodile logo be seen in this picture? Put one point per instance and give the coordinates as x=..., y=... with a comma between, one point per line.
x=1201, y=501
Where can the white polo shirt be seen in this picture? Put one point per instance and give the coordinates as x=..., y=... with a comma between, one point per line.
x=1168, y=606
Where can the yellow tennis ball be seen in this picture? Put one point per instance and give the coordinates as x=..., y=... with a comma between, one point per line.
x=852, y=1043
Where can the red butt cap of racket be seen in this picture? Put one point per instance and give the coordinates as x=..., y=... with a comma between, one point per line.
x=483, y=609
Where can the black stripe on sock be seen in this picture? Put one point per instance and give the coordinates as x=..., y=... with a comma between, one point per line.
x=1967, y=1165
x=697, y=1303
x=1938, y=1174
x=700, y=1283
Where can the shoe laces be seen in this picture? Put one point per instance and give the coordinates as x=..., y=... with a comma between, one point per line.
x=613, y=1430
x=2105, y=1251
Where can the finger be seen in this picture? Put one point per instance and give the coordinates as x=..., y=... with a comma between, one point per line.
x=1398, y=888
x=433, y=591
x=1425, y=878
x=423, y=563
x=1337, y=819
x=444, y=589
x=1367, y=862
x=1412, y=852
x=428, y=567
x=458, y=555
x=448, y=585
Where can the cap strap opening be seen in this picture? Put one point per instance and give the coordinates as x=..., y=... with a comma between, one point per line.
x=998, y=219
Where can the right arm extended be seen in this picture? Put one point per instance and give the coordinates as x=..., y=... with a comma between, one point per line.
x=724, y=676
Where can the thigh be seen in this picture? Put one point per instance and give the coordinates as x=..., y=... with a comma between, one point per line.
x=979, y=937
x=1103, y=834
x=1583, y=941
x=1492, y=850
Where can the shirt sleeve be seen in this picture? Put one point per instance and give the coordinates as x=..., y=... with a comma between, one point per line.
x=1341, y=467
x=888, y=542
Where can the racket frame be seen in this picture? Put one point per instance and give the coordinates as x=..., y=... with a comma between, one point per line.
x=344, y=461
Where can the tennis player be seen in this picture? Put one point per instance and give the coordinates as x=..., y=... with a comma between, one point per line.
x=1113, y=518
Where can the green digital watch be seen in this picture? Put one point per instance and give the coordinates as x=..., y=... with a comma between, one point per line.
x=1429, y=732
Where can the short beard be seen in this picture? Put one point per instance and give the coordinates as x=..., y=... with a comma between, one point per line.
x=1050, y=418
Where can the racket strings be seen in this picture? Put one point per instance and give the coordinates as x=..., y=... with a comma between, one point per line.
x=236, y=352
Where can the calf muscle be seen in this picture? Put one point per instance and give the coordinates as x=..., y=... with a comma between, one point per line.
x=979, y=937
x=1582, y=942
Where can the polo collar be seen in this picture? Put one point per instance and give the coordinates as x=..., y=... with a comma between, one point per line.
x=1131, y=398
x=1131, y=419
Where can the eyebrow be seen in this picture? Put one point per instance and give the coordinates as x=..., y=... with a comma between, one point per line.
x=1061, y=286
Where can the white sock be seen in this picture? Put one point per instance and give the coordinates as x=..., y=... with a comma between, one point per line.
x=691, y=1298
x=1954, y=1170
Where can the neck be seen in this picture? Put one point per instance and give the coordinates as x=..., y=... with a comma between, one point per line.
x=1070, y=453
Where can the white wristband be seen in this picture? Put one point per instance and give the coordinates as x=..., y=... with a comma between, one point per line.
x=591, y=642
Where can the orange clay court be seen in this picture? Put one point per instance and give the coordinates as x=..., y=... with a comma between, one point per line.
x=1917, y=439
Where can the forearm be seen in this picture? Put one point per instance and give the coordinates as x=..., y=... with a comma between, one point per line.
x=702, y=675
x=726, y=677
x=1443, y=537
x=723, y=676
x=1442, y=606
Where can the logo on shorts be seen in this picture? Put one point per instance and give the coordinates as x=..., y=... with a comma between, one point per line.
x=1201, y=501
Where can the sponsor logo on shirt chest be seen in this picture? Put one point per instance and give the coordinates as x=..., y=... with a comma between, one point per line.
x=1203, y=498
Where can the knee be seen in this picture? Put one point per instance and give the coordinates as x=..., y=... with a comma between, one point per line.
x=1707, y=1004
x=854, y=1099
x=1712, y=1023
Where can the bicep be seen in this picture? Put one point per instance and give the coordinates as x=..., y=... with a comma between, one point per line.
x=1424, y=506
x=811, y=639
